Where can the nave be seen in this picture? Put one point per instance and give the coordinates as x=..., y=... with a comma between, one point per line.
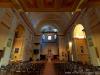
x=49, y=68
x=49, y=37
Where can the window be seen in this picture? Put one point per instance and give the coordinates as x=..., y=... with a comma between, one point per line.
x=55, y=36
x=55, y=30
x=43, y=36
x=49, y=37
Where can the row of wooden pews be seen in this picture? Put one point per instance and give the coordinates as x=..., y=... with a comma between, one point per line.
x=22, y=68
x=75, y=68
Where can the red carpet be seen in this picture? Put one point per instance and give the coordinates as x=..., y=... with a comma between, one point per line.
x=49, y=69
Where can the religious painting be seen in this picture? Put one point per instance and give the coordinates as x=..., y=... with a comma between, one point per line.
x=16, y=50
x=49, y=3
x=82, y=49
x=1, y=53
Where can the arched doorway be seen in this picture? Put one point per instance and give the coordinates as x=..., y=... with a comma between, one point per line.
x=17, y=49
x=80, y=44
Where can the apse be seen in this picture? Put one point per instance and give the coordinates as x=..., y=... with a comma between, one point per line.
x=49, y=40
x=49, y=34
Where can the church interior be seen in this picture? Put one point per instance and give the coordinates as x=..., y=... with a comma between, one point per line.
x=49, y=37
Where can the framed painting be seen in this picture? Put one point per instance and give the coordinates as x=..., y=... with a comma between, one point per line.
x=16, y=50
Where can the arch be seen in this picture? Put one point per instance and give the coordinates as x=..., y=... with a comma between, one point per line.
x=79, y=32
x=18, y=43
x=55, y=23
x=80, y=44
x=49, y=28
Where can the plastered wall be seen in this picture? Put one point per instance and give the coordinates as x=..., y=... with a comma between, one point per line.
x=9, y=20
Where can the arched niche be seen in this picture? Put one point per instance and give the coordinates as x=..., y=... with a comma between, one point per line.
x=80, y=43
x=17, y=49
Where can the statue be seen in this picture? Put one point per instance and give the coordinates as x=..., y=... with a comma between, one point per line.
x=49, y=55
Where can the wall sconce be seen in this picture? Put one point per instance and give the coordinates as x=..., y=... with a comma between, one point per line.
x=70, y=46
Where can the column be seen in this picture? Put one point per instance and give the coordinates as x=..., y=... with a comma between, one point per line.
x=5, y=59
x=61, y=47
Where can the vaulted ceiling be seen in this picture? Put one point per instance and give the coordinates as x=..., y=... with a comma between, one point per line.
x=56, y=19
x=57, y=13
x=49, y=5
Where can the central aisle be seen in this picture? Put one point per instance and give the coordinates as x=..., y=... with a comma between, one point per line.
x=49, y=69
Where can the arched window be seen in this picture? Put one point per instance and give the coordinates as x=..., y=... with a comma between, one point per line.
x=49, y=28
x=79, y=32
x=49, y=37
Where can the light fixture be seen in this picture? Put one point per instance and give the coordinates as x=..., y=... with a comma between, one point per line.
x=70, y=46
